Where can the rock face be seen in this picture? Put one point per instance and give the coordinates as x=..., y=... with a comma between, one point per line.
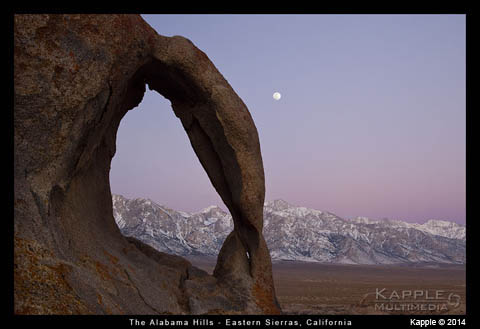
x=75, y=77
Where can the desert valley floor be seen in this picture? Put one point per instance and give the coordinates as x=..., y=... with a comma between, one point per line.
x=315, y=288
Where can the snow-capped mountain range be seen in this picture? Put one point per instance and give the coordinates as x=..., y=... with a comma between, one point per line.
x=294, y=233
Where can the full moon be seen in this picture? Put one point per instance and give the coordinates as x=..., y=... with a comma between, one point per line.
x=277, y=96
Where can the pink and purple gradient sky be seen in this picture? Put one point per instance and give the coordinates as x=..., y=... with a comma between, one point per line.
x=371, y=121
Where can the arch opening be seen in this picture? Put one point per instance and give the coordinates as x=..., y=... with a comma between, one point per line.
x=154, y=160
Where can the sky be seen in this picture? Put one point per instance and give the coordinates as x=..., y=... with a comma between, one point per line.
x=371, y=121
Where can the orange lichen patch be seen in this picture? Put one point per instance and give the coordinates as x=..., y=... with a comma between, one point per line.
x=264, y=299
x=107, y=273
x=90, y=29
x=99, y=299
x=112, y=258
x=62, y=271
x=40, y=288
x=17, y=202
x=103, y=305
x=117, y=268
x=102, y=270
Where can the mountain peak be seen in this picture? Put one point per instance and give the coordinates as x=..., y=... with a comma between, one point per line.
x=278, y=204
x=210, y=209
x=364, y=220
x=442, y=223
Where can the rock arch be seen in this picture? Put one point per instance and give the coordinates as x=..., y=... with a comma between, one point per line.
x=75, y=77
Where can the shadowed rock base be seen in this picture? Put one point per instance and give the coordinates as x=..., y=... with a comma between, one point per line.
x=75, y=77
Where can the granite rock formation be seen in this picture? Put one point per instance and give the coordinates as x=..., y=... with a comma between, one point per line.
x=75, y=77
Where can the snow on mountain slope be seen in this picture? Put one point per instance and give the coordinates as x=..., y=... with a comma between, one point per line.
x=294, y=233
